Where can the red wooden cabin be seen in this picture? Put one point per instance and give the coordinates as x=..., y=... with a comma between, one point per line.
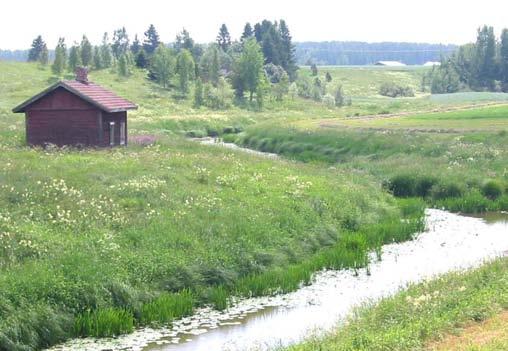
x=76, y=112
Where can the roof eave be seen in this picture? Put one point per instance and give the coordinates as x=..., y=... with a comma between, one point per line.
x=61, y=84
x=121, y=109
x=21, y=107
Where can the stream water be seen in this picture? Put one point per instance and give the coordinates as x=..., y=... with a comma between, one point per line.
x=221, y=143
x=451, y=242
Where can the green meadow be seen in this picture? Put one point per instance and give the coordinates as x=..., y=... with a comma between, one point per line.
x=98, y=242
x=453, y=157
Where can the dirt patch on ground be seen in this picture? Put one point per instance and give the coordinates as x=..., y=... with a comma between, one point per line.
x=476, y=336
x=143, y=140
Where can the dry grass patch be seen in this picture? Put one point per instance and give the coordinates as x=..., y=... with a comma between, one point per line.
x=491, y=334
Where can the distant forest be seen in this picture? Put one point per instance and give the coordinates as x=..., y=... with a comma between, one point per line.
x=13, y=55
x=361, y=53
x=337, y=53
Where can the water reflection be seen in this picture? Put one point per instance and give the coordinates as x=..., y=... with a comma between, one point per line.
x=492, y=217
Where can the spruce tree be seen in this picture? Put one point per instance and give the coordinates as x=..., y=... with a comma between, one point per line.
x=36, y=49
x=223, y=38
x=247, y=32
x=86, y=52
x=106, y=55
x=184, y=41
x=152, y=41
x=258, y=32
x=287, y=50
x=60, y=61
x=485, y=57
x=136, y=46
x=141, y=59
x=503, y=53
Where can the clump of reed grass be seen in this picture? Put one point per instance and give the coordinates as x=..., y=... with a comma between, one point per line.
x=167, y=307
x=104, y=322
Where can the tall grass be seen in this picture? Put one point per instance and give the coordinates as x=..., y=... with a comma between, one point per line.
x=445, y=169
x=162, y=230
x=104, y=322
x=123, y=237
x=350, y=251
x=167, y=307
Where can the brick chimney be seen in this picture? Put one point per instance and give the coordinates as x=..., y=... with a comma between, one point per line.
x=82, y=75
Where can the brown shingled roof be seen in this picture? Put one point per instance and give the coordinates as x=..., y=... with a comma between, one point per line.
x=90, y=92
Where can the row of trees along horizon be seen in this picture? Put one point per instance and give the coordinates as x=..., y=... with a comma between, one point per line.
x=261, y=61
x=479, y=66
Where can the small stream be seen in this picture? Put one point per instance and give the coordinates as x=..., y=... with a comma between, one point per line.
x=451, y=242
x=233, y=146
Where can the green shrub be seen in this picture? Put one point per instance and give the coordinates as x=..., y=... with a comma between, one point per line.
x=502, y=203
x=423, y=185
x=472, y=202
x=446, y=190
x=492, y=189
x=394, y=90
x=403, y=185
x=196, y=134
x=230, y=138
x=406, y=185
x=229, y=130
x=212, y=132
x=329, y=100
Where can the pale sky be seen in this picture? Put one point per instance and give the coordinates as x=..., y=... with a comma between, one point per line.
x=434, y=21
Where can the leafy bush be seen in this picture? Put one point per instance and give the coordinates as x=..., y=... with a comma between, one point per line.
x=329, y=100
x=395, y=90
x=445, y=79
x=196, y=134
x=402, y=185
x=212, y=132
x=423, y=185
x=446, y=190
x=304, y=87
x=492, y=189
x=340, y=99
x=219, y=97
x=411, y=185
